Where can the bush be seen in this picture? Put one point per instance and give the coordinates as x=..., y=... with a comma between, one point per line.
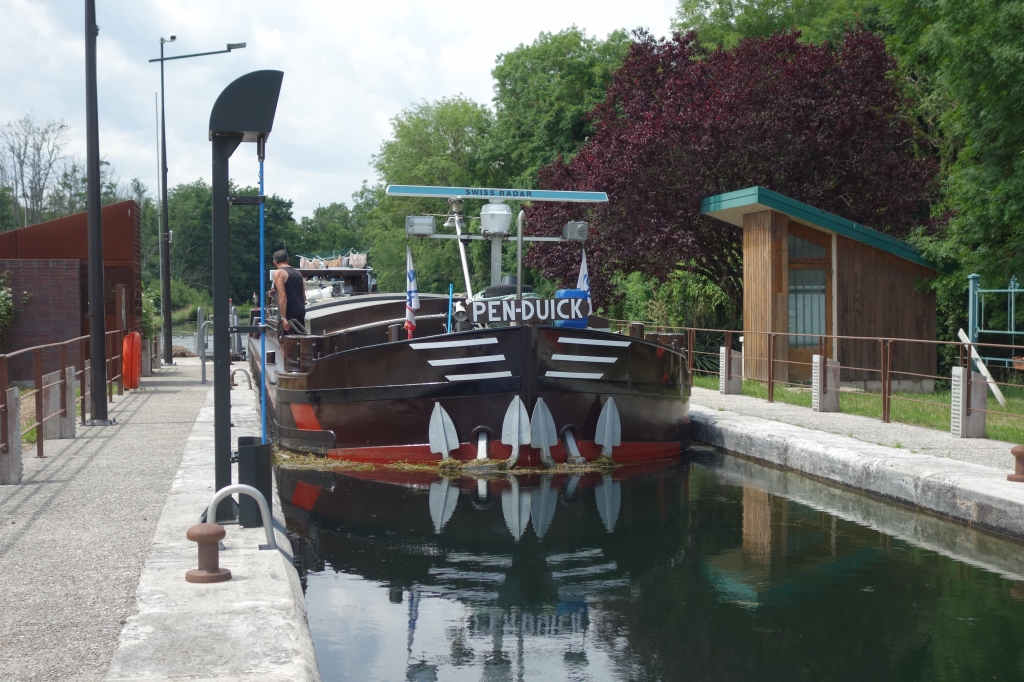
x=9, y=312
x=184, y=302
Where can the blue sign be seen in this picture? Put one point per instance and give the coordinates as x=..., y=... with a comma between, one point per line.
x=493, y=193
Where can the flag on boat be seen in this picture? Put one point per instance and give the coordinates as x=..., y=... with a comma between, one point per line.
x=583, y=283
x=412, y=293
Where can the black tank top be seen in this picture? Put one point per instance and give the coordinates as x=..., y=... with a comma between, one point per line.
x=295, y=294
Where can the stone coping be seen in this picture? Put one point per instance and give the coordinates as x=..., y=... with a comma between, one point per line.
x=251, y=627
x=973, y=494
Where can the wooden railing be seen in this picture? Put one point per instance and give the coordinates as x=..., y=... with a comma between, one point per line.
x=115, y=381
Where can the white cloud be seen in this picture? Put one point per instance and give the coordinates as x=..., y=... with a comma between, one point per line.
x=349, y=67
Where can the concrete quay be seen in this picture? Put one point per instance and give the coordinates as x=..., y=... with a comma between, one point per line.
x=93, y=554
x=75, y=534
x=253, y=626
x=950, y=483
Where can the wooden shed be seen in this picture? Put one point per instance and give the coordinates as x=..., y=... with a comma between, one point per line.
x=811, y=273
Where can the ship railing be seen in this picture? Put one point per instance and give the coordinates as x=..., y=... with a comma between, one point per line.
x=43, y=358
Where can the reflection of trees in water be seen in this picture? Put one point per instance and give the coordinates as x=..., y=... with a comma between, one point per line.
x=833, y=601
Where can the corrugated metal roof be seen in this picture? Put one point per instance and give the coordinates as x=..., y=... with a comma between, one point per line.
x=731, y=207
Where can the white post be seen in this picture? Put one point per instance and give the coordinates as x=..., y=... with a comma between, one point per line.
x=51, y=404
x=824, y=384
x=10, y=461
x=962, y=424
x=147, y=357
x=734, y=385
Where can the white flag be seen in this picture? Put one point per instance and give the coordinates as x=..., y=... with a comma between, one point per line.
x=412, y=293
x=583, y=283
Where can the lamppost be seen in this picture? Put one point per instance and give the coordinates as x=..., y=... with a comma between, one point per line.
x=165, y=242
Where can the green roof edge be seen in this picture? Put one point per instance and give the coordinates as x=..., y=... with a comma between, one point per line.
x=815, y=216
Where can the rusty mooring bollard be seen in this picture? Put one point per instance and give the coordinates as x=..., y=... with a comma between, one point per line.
x=1018, y=469
x=208, y=535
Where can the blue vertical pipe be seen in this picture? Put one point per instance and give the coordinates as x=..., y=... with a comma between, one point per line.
x=451, y=294
x=263, y=311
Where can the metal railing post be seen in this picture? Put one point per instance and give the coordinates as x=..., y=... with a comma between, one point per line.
x=81, y=381
x=63, y=382
x=728, y=356
x=120, y=360
x=37, y=357
x=691, y=340
x=888, y=381
x=771, y=367
x=3, y=403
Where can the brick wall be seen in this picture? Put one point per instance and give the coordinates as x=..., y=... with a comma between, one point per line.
x=54, y=313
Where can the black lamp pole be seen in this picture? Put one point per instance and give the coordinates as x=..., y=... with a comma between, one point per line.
x=165, y=242
x=244, y=112
x=97, y=311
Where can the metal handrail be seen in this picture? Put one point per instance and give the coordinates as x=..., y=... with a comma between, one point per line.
x=220, y=495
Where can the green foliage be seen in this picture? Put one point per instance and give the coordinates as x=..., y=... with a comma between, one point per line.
x=433, y=143
x=9, y=310
x=969, y=56
x=685, y=299
x=726, y=22
x=185, y=300
x=543, y=92
x=150, y=321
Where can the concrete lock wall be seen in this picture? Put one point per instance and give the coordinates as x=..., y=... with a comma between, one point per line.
x=962, y=424
x=824, y=384
x=734, y=385
x=10, y=461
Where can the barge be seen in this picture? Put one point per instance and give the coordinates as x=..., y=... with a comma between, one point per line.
x=511, y=393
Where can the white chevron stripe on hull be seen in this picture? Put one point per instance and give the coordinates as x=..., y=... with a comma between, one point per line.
x=466, y=361
x=573, y=375
x=461, y=343
x=593, y=342
x=474, y=377
x=583, y=358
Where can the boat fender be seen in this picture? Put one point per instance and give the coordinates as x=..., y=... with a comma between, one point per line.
x=515, y=430
x=442, y=436
x=542, y=432
x=609, y=428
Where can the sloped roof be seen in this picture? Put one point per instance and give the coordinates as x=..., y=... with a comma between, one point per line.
x=732, y=206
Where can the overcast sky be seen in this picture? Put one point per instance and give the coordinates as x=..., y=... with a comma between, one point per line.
x=349, y=67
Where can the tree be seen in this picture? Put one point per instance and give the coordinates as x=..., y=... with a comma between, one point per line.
x=543, y=93
x=967, y=55
x=32, y=152
x=433, y=143
x=726, y=22
x=823, y=124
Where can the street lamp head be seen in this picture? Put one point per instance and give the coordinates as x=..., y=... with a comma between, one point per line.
x=235, y=46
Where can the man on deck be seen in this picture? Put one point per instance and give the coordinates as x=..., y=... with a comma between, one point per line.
x=291, y=292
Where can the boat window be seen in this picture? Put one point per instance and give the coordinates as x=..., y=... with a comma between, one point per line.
x=802, y=248
x=806, y=306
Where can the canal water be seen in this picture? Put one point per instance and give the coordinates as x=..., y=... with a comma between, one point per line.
x=711, y=569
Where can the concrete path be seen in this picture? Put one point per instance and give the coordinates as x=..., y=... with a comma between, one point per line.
x=252, y=627
x=918, y=439
x=74, y=536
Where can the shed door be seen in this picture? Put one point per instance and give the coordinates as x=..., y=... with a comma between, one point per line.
x=810, y=296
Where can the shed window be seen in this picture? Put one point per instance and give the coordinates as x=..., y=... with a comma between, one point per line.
x=806, y=305
x=802, y=248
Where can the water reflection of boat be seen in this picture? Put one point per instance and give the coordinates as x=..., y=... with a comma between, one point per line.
x=507, y=538
x=717, y=570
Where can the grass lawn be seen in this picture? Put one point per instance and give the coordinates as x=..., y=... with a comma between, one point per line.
x=921, y=409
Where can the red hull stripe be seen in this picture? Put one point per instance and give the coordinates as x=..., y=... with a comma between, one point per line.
x=305, y=418
x=421, y=454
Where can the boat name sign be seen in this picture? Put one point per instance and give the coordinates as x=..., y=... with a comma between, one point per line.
x=532, y=310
